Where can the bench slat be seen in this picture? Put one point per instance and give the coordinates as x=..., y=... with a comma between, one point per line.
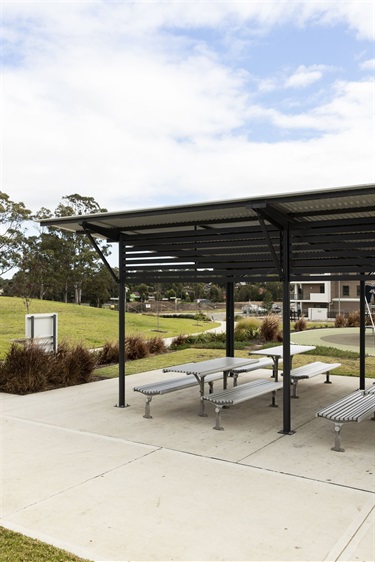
x=238, y=394
x=312, y=369
x=163, y=387
x=352, y=408
x=264, y=362
x=355, y=407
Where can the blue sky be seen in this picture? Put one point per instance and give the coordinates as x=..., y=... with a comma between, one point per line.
x=152, y=103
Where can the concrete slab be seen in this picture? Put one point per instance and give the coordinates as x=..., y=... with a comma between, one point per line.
x=107, y=484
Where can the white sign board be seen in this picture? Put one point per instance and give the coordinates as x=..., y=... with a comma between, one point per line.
x=43, y=329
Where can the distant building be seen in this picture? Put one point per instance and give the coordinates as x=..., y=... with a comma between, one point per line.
x=325, y=299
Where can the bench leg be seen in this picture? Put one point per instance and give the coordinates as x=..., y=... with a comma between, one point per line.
x=337, y=446
x=147, y=408
x=273, y=403
x=294, y=385
x=327, y=381
x=218, y=418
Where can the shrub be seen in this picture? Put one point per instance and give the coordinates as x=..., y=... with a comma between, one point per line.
x=352, y=320
x=300, y=325
x=32, y=369
x=156, y=345
x=178, y=341
x=206, y=337
x=108, y=354
x=340, y=321
x=270, y=329
x=247, y=329
x=71, y=366
x=24, y=370
x=135, y=348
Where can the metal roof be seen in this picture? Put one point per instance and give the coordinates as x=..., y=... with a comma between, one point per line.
x=330, y=231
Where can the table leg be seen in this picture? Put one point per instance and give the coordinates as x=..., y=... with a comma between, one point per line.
x=225, y=380
x=201, y=392
x=275, y=368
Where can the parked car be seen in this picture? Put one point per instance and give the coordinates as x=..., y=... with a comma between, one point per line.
x=253, y=309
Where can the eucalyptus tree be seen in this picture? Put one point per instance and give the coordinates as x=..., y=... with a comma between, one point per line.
x=13, y=227
x=69, y=257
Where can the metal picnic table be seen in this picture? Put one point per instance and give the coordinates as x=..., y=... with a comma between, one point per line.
x=201, y=369
x=277, y=353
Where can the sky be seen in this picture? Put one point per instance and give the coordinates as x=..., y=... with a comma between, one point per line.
x=144, y=103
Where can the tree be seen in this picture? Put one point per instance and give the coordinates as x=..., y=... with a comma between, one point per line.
x=100, y=287
x=12, y=232
x=27, y=282
x=70, y=257
x=216, y=294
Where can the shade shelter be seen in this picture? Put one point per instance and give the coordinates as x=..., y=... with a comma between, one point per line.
x=292, y=237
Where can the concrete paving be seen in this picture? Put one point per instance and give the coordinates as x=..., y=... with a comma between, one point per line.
x=109, y=485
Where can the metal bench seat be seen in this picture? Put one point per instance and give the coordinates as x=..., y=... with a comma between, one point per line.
x=241, y=393
x=352, y=408
x=171, y=385
x=309, y=371
x=263, y=362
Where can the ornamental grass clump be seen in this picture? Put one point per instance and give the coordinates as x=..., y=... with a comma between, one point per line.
x=33, y=369
x=247, y=329
x=108, y=354
x=179, y=341
x=300, y=325
x=270, y=329
x=135, y=348
x=71, y=366
x=340, y=321
x=156, y=346
x=352, y=320
x=24, y=370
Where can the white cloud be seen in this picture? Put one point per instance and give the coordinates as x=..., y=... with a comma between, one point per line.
x=106, y=103
x=368, y=64
x=304, y=76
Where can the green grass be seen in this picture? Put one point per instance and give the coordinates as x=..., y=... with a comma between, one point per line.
x=91, y=327
x=349, y=365
x=15, y=547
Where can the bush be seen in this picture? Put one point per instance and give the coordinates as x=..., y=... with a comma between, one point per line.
x=270, y=329
x=340, y=321
x=24, y=370
x=156, y=345
x=135, y=348
x=300, y=325
x=178, y=341
x=352, y=320
x=108, y=354
x=32, y=369
x=247, y=329
x=71, y=366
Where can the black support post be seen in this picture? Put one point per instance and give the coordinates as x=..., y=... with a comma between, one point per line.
x=121, y=320
x=230, y=319
x=286, y=333
x=362, y=334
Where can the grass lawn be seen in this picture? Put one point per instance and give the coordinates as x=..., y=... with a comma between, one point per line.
x=349, y=365
x=90, y=326
x=15, y=547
